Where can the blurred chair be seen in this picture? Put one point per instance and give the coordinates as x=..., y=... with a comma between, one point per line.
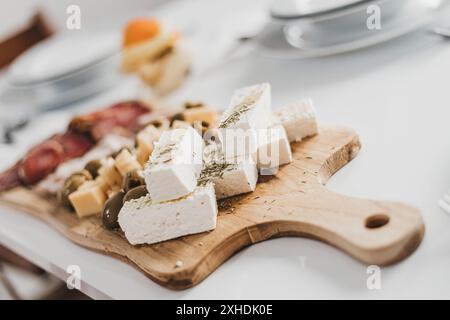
x=7, y=256
x=38, y=29
x=46, y=286
x=10, y=257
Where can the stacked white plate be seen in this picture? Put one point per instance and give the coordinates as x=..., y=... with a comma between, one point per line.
x=314, y=28
x=67, y=67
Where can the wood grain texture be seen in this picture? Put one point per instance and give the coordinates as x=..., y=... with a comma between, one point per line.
x=292, y=203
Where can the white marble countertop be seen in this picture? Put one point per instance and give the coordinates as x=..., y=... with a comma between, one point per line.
x=395, y=95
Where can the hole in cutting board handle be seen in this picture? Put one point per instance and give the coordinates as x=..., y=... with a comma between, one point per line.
x=377, y=221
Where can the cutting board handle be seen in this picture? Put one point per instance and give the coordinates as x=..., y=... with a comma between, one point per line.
x=375, y=232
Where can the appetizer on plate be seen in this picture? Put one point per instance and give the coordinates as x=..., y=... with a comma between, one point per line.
x=156, y=53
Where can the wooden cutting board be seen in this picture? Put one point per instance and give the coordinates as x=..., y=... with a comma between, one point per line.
x=293, y=203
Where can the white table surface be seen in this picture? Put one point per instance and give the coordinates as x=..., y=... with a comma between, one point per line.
x=396, y=95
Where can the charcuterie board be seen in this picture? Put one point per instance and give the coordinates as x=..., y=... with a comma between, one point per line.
x=292, y=203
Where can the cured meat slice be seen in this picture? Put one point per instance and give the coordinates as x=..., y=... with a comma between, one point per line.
x=83, y=133
x=98, y=124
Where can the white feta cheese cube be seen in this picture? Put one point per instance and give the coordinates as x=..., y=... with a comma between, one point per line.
x=298, y=119
x=236, y=179
x=239, y=142
x=175, y=165
x=274, y=150
x=231, y=177
x=146, y=222
x=250, y=108
x=249, y=111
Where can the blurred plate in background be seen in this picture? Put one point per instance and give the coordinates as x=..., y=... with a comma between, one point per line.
x=311, y=38
x=62, y=55
x=62, y=70
x=345, y=18
x=299, y=9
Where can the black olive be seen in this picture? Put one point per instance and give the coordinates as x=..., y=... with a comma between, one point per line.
x=92, y=167
x=111, y=210
x=132, y=180
x=135, y=193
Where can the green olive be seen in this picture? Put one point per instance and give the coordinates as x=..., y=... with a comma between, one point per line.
x=92, y=167
x=83, y=173
x=135, y=193
x=132, y=180
x=178, y=116
x=70, y=186
x=111, y=209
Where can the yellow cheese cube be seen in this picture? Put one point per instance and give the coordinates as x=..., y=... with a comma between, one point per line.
x=178, y=124
x=88, y=200
x=200, y=114
x=126, y=162
x=143, y=153
x=148, y=136
x=101, y=182
x=87, y=185
x=145, y=140
x=109, y=172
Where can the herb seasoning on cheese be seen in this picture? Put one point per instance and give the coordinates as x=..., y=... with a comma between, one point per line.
x=214, y=171
x=247, y=104
x=164, y=155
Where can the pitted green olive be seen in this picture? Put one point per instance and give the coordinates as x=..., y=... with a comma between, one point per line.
x=135, y=193
x=111, y=209
x=132, y=180
x=92, y=167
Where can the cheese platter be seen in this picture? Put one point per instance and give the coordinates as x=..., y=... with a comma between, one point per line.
x=184, y=198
